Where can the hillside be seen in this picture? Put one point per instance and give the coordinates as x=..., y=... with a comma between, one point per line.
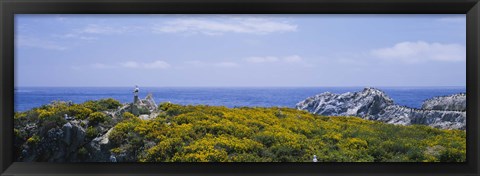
x=220, y=134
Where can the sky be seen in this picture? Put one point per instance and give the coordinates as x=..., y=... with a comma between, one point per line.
x=239, y=50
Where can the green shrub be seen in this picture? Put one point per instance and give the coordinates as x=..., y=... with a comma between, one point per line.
x=116, y=150
x=52, y=121
x=452, y=155
x=91, y=132
x=165, y=106
x=79, y=112
x=127, y=115
x=82, y=151
x=109, y=103
x=35, y=139
x=102, y=105
x=97, y=117
x=214, y=133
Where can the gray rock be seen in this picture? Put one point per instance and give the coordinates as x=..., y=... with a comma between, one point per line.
x=67, y=130
x=59, y=144
x=121, y=110
x=143, y=106
x=68, y=142
x=149, y=103
x=396, y=114
x=100, y=148
x=373, y=104
x=455, y=102
x=368, y=101
x=73, y=134
x=144, y=117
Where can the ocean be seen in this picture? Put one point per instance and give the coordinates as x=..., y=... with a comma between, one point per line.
x=27, y=98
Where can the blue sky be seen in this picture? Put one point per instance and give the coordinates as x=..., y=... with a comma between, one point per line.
x=240, y=50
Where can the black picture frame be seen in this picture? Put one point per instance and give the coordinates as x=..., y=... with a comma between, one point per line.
x=8, y=8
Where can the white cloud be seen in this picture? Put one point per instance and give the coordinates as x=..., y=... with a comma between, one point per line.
x=146, y=65
x=157, y=64
x=412, y=52
x=291, y=59
x=88, y=32
x=130, y=64
x=226, y=64
x=202, y=64
x=261, y=59
x=272, y=59
x=224, y=25
x=31, y=42
x=133, y=64
x=103, y=29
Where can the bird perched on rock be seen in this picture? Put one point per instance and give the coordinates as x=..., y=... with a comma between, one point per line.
x=136, y=90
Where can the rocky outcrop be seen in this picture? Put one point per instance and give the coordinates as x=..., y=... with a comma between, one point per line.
x=142, y=107
x=149, y=103
x=72, y=139
x=373, y=104
x=367, y=102
x=99, y=148
x=455, y=102
x=406, y=116
x=56, y=145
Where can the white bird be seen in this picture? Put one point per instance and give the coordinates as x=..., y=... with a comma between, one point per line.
x=136, y=89
x=315, y=158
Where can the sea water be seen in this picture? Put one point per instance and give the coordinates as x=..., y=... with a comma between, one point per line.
x=29, y=97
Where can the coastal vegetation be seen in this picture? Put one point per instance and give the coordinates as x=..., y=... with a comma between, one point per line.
x=244, y=134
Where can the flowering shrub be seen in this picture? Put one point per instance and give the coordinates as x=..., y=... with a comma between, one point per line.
x=220, y=134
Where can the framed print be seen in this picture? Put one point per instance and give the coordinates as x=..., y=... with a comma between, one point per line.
x=239, y=88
